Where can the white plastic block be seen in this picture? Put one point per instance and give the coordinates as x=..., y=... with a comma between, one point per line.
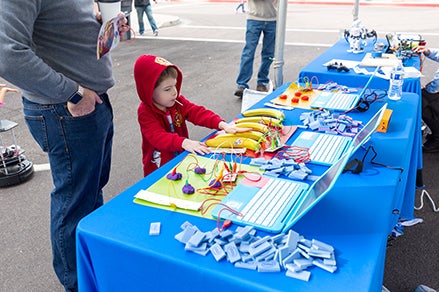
x=301, y=275
x=232, y=252
x=217, y=252
x=268, y=266
x=154, y=228
x=319, y=263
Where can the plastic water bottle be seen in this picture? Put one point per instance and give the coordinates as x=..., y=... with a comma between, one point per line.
x=396, y=81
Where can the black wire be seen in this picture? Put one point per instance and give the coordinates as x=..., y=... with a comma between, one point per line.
x=368, y=98
x=377, y=163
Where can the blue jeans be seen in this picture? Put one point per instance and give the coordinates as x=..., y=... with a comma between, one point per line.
x=148, y=11
x=253, y=32
x=241, y=5
x=79, y=150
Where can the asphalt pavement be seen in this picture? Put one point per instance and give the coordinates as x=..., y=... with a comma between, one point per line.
x=205, y=39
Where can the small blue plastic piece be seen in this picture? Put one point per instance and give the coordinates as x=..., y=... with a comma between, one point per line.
x=258, y=161
x=291, y=257
x=255, y=251
x=319, y=263
x=266, y=255
x=200, y=248
x=186, y=234
x=331, y=261
x=271, y=173
x=322, y=245
x=268, y=266
x=260, y=241
x=246, y=265
x=217, y=252
x=232, y=252
x=244, y=247
x=186, y=224
x=220, y=241
x=225, y=234
x=283, y=253
x=244, y=232
x=154, y=228
x=302, y=263
x=319, y=253
x=246, y=257
x=292, y=239
x=301, y=275
x=276, y=239
x=196, y=238
x=297, y=175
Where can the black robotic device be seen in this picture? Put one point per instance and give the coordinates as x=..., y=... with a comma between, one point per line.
x=15, y=168
x=338, y=66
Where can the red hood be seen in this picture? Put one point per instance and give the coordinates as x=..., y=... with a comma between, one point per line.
x=147, y=70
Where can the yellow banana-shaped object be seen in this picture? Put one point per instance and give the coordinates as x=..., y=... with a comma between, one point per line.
x=267, y=112
x=255, y=135
x=269, y=121
x=255, y=126
x=233, y=142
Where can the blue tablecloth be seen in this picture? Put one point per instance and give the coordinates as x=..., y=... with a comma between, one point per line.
x=116, y=253
x=351, y=79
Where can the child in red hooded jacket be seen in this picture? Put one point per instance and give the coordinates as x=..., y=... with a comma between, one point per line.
x=163, y=112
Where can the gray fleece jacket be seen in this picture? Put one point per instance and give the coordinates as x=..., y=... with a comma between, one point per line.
x=262, y=10
x=48, y=47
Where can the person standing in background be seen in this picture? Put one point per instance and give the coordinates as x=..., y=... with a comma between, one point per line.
x=65, y=105
x=240, y=5
x=144, y=6
x=430, y=102
x=261, y=19
x=126, y=6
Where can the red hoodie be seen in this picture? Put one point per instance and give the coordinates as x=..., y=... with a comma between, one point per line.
x=157, y=137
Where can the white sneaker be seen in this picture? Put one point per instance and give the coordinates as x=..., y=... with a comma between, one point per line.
x=156, y=32
x=423, y=288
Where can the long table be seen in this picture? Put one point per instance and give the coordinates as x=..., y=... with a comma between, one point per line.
x=116, y=253
x=339, y=51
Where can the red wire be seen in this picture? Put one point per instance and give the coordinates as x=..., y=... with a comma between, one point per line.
x=218, y=220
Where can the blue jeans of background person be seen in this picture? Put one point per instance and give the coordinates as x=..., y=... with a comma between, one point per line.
x=253, y=32
x=241, y=5
x=79, y=150
x=148, y=11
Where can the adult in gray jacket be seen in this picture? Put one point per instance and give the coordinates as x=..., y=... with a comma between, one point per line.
x=48, y=50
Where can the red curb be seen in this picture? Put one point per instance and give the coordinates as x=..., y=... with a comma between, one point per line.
x=351, y=3
x=366, y=3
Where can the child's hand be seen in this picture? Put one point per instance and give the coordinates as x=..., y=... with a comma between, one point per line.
x=4, y=90
x=122, y=25
x=195, y=147
x=232, y=128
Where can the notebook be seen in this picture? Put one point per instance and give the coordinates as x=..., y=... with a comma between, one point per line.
x=339, y=101
x=327, y=148
x=279, y=203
